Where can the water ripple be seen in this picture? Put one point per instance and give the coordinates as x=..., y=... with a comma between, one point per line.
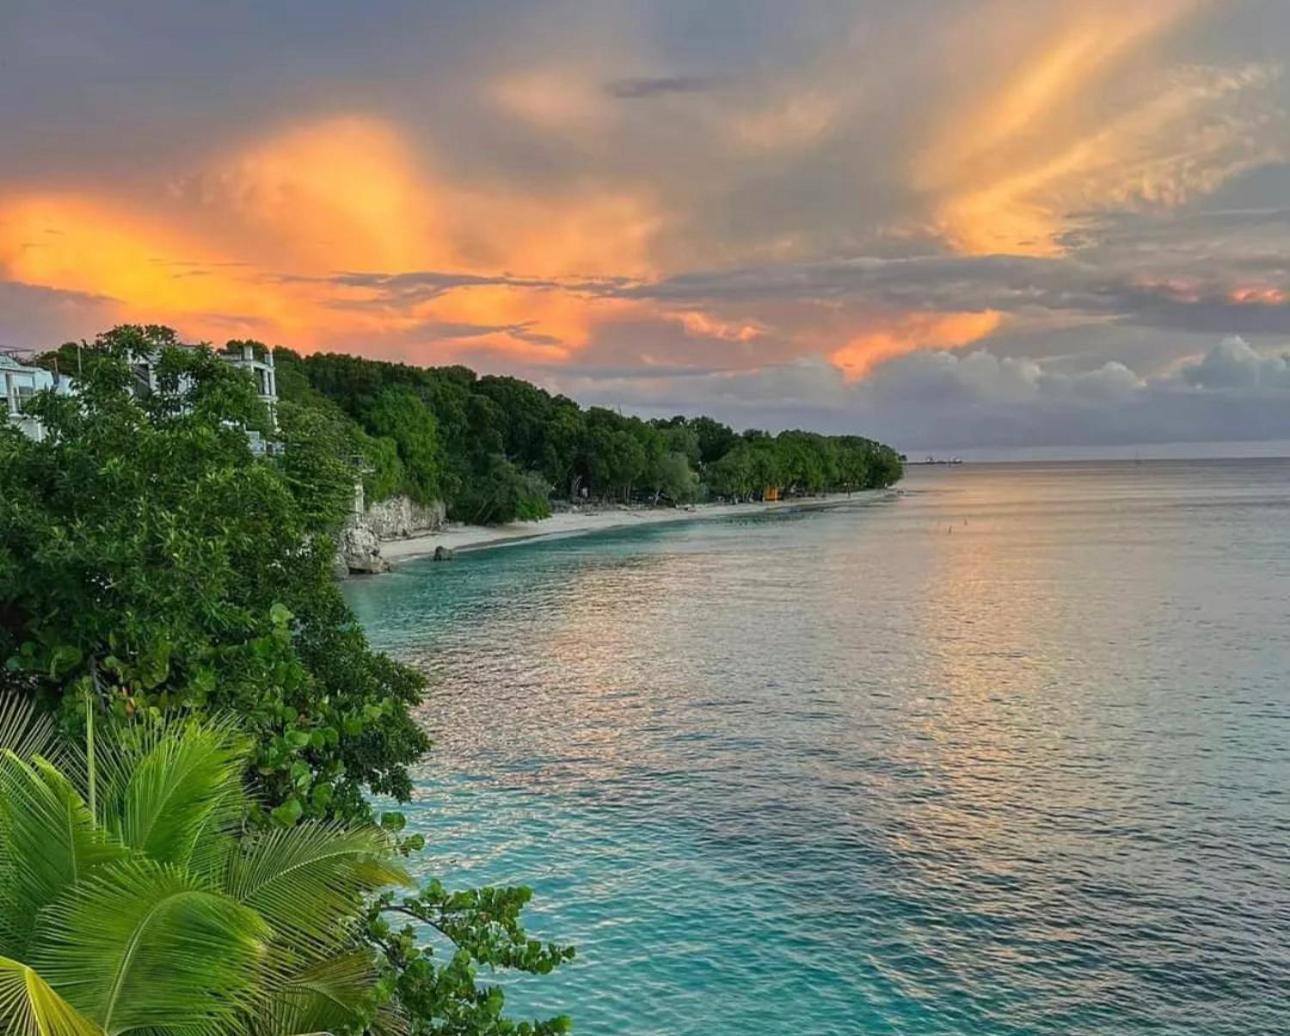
x=847, y=773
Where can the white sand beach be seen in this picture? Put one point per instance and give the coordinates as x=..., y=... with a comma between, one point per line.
x=575, y=523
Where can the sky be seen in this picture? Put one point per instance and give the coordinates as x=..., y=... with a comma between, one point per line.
x=949, y=224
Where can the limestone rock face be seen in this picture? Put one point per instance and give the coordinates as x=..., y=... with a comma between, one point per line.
x=398, y=518
x=359, y=546
x=359, y=549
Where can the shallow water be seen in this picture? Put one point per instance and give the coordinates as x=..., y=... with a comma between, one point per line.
x=1007, y=755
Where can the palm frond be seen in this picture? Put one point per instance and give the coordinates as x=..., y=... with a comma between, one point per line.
x=24, y=731
x=49, y=840
x=326, y=996
x=308, y=881
x=169, y=791
x=142, y=945
x=29, y=1007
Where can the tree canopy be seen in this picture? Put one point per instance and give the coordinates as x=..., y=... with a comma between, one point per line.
x=501, y=447
x=152, y=564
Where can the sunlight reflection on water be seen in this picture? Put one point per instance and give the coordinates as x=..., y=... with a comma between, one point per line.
x=1006, y=755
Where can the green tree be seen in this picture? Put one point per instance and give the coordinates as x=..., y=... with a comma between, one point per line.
x=764, y=464
x=501, y=493
x=148, y=550
x=681, y=438
x=614, y=458
x=150, y=562
x=383, y=472
x=732, y=475
x=715, y=439
x=318, y=461
x=675, y=480
x=400, y=414
x=597, y=451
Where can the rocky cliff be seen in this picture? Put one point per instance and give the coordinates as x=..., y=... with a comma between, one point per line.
x=398, y=518
x=358, y=549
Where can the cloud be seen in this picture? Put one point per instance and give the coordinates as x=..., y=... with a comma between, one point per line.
x=34, y=317
x=553, y=99
x=791, y=122
x=883, y=340
x=1233, y=364
x=392, y=289
x=1083, y=191
x=954, y=401
x=1011, y=160
x=656, y=86
x=979, y=399
x=247, y=244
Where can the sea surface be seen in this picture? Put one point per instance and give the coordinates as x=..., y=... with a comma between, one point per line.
x=1008, y=754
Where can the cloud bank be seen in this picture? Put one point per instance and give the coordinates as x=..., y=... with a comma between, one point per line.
x=960, y=221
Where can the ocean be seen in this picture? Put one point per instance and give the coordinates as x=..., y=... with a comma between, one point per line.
x=1008, y=754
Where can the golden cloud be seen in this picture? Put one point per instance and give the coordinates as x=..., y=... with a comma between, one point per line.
x=885, y=338
x=251, y=244
x=1008, y=165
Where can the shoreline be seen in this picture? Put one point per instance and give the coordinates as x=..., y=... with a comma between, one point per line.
x=464, y=538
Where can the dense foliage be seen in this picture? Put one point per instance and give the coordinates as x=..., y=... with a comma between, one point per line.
x=147, y=551
x=498, y=448
x=150, y=563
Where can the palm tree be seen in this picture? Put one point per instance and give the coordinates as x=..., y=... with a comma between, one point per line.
x=132, y=899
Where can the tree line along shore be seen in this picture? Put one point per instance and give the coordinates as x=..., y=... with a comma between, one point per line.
x=496, y=448
x=192, y=722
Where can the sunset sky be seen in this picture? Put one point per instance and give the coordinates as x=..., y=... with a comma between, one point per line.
x=949, y=223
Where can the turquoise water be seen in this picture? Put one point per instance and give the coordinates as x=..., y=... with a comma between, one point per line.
x=1007, y=755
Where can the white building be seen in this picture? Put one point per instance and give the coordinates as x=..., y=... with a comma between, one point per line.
x=261, y=371
x=21, y=382
x=244, y=357
x=259, y=367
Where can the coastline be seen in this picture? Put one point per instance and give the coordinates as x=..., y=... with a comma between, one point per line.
x=462, y=538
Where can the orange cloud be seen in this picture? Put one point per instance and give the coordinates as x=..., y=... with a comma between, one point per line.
x=82, y=243
x=345, y=193
x=705, y=325
x=904, y=333
x=1007, y=166
x=339, y=195
x=1262, y=296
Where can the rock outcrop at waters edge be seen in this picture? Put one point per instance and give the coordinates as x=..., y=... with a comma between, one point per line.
x=358, y=548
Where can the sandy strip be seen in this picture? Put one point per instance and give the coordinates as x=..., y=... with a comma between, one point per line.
x=477, y=537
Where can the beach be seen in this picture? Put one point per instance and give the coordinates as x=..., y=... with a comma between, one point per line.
x=458, y=537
